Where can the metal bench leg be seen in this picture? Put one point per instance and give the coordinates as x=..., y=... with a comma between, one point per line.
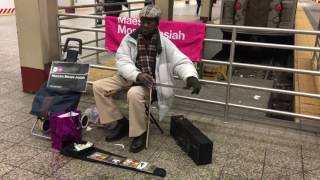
x=153, y=120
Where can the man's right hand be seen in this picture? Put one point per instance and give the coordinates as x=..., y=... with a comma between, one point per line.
x=146, y=79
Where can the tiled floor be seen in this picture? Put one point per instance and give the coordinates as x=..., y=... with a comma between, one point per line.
x=242, y=149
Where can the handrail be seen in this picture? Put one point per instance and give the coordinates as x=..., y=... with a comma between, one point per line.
x=71, y=15
x=295, y=93
x=91, y=54
x=92, y=41
x=288, y=92
x=101, y=4
x=316, y=55
x=278, y=46
x=103, y=67
x=81, y=16
x=82, y=29
x=261, y=29
x=275, y=111
x=88, y=48
x=255, y=44
x=281, y=69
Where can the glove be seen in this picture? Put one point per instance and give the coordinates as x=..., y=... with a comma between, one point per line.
x=146, y=79
x=194, y=83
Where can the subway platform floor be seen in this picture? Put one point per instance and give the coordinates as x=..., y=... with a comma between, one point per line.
x=242, y=149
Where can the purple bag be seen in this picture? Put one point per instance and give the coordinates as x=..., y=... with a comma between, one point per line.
x=65, y=128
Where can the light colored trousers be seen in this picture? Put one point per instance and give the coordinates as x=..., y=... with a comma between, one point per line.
x=137, y=96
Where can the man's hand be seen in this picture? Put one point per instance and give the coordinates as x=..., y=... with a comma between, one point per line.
x=194, y=83
x=146, y=79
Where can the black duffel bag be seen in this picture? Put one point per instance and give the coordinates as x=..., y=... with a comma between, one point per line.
x=191, y=140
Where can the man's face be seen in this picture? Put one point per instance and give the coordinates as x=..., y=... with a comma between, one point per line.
x=148, y=26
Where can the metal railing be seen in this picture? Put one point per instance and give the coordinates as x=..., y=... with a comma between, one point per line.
x=103, y=4
x=231, y=64
x=95, y=29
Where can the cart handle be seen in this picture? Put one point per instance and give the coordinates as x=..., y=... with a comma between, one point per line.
x=73, y=39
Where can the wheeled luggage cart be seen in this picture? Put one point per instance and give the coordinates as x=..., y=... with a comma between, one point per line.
x=69, y=55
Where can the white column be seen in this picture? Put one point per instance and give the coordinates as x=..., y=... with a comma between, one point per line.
x=69, y=3
x=166, y=7
x=37, y=39
x=205, y=10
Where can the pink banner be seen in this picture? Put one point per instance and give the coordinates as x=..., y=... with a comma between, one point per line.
x=187, y=36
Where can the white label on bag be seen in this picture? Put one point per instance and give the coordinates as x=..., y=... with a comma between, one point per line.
x=68, y=114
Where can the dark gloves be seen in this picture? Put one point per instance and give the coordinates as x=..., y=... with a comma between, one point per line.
x=194, y=83
x=146, y=79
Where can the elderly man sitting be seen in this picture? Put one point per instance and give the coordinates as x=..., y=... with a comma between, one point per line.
x=143, y=58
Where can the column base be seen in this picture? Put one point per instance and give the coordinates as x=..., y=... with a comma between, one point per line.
x=202, y=18
x=70, y=10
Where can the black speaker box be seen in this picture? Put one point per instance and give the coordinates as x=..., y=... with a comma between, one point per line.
x=191, y=140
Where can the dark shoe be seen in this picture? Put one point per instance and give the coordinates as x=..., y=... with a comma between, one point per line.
x=119, y=131
x=138, y=143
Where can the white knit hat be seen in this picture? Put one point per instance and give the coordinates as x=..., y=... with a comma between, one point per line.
x=150, y=11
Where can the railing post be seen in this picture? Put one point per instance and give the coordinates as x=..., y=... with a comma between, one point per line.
x=129, y=8
x=59, y=37
x=96, y=35
x=231, y=60
x=316, y=54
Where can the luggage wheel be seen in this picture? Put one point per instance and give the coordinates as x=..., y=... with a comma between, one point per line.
x=84, y=121
x=46, y=125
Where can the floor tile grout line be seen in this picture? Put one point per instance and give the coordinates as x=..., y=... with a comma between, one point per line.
x=310, y=170
x=34, y=172
x=264, y=163
x=18, y=144
x=19, y=111
x=150, y=159
x=7, y=172
x=9, y=164
x=13, y=144
x=43, y=174
x=18, y=167
x=302, y=163
x=224, y=165
x=221, y=171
